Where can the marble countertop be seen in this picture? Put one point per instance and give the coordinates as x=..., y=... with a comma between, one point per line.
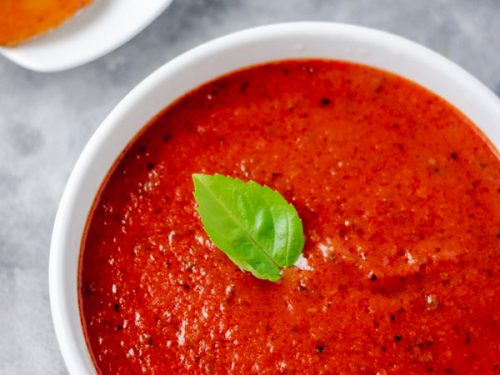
x=46, y=119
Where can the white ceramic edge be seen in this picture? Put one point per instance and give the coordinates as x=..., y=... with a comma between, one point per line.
x=22, y=55
x=201, y=64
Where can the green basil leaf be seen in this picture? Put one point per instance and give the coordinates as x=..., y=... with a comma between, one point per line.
x=252, y=224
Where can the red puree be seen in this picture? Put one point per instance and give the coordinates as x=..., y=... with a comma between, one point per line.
x=399, y=195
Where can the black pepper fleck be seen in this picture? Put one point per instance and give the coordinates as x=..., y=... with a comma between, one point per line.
x=150, y=166
x=88, y=290
x=320, y=348
x=454, y=156
x=325, y=101
x=373, y=277
x=117, y=307
x=244, y=87
x=398, y=338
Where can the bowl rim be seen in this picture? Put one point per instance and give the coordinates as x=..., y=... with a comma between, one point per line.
x=63, y=308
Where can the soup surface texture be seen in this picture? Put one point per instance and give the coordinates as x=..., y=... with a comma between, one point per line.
x=399, y=197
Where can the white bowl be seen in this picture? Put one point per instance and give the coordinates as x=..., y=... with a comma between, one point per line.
x=98, y=29
x=202, y=64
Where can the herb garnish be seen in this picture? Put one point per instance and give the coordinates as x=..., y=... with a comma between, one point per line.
x=252, y=224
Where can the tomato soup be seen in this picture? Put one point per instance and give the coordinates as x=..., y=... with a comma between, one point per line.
x=399, y=195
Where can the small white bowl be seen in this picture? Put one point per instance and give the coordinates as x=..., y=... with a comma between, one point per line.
x=202, y=64
x=97, y=30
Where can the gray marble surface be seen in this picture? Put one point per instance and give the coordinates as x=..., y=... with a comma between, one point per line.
x=46, y=119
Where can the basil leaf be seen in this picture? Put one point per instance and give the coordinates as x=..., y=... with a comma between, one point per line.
x=252, y=224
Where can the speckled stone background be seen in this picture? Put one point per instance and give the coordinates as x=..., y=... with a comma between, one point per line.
x=46, y=119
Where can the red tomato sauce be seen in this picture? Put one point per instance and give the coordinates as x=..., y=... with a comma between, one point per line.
x=399, y=197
